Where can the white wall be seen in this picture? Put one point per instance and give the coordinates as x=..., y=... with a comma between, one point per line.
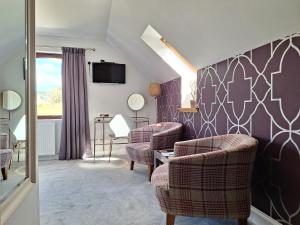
x=107, y=98
x=27, y=213
x=11, y=74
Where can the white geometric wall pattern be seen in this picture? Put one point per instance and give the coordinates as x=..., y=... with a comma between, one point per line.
x=256, y=93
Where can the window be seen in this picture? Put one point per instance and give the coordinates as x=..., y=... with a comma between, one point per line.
x=49, y=85
x=176, y=61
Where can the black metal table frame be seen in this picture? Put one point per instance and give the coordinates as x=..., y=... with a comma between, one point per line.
x=159, y=158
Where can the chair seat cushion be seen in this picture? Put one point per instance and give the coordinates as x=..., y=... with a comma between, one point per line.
x=140, y=152
x=160, y=176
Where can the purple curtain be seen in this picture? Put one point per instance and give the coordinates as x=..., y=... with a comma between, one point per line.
x=75, y=136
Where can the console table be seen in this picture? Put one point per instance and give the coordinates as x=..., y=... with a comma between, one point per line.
x=102, y=120
x=140, y=119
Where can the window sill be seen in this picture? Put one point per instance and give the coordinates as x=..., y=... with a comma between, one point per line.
x=192, y=110
x=49, y=117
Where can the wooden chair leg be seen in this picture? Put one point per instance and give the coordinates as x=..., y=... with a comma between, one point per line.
x=170, y=219
x=150, y=171
x=242, y=222
x=4, y=173
x=131, y=165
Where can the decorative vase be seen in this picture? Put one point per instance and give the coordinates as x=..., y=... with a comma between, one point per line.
x=193, y=103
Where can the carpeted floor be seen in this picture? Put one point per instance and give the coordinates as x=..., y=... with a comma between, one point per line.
x=82, y=192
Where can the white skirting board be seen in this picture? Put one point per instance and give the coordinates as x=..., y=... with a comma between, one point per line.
x=257, y=217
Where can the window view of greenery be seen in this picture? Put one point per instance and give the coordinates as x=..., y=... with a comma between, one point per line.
x=49, y=87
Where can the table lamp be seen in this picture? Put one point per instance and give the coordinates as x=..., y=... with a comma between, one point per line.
x=154, y=91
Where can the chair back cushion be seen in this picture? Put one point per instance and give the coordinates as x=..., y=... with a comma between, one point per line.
x=168, y=125
x=167, y=134
x=232, y=141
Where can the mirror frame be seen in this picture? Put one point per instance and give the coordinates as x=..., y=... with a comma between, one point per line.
x=18, y=195
x=129, y=98
x=21, y=100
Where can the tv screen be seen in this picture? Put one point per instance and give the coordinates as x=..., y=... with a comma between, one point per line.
x=108, y=73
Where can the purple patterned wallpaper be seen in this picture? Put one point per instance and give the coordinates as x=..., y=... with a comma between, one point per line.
x=256, y=93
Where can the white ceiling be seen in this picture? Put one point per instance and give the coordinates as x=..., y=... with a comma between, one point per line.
x=72, y=18
x=204, y=31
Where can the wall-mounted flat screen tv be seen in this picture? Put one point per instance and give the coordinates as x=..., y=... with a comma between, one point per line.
x=109, y=73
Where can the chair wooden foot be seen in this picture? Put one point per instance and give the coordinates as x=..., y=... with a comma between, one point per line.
x=242, y=222
x=131, y=165
x=170, y=219
x=150, y=171
x=4, y=173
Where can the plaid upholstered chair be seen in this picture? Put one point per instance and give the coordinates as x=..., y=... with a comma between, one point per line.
x=152, y=137
x=209, y=177
x=5, y=155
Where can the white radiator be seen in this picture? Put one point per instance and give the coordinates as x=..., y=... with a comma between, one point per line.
x=46, y=138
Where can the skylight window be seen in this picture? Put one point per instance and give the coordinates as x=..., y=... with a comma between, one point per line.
x=175, y=60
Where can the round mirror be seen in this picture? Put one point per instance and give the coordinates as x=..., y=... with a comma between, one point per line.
x=11, y=100
x=136, y=102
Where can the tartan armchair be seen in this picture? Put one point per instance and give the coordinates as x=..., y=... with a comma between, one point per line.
x=5, y=155
x=5, y=161
x=209, y=177
x=152, y=137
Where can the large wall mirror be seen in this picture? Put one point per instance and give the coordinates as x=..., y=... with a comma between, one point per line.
x=13, y=137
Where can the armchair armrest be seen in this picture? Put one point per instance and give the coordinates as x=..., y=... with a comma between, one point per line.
x=212, y=173
x=165, y=139
x=195, y=146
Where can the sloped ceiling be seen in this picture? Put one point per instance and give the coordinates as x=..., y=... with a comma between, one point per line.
x=12, y=32
x=204, y=31
x=72, y=18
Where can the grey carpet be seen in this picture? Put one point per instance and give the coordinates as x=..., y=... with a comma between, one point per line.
x=82, y=192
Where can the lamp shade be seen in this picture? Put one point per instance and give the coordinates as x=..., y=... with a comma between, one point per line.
x=154, y=89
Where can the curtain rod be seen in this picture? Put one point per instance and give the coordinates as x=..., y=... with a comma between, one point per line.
x=51, y=46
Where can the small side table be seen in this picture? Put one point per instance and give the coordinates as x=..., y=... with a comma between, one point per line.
x=20, y=145
x=140, y=119
x=100, y=120
x=162, y=156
